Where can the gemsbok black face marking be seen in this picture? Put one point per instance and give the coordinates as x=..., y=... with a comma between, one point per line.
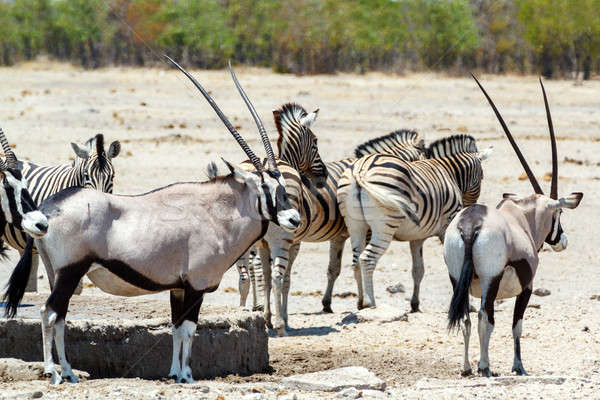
x=491, y=257
x=155, y=246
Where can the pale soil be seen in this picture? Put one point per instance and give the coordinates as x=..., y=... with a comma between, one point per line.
x=168, y=133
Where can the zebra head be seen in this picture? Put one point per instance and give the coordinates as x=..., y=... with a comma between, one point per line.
x=95, y=164
x=460, y=153
x=17, y=205
x=297, y=144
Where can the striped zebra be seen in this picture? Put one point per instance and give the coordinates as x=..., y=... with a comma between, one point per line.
x=92, y=168
x=320, y=218
x=406, y=201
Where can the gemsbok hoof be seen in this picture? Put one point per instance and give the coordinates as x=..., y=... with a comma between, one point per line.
x=187, y=378
x=520, y=370
x=467, y=372
x=70, y=378
x=485, y=372
x=55, y=378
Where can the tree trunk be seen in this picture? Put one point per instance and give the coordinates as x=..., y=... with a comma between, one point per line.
x=587, y=68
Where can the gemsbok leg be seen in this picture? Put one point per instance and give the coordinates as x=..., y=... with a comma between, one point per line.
x=185, y=307
x=517, y=328
x=489, y=290
x=53, y=315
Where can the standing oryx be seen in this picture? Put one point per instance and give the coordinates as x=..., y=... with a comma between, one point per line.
x=493, y=252
x=406, y=201
x=182, y=238
x=321, y=218
x=92, y=168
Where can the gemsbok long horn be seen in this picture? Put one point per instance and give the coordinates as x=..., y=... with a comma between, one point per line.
x=253, y=158
x=530, y=175
x=259, y=124
x=11, y=158
x=554, y=184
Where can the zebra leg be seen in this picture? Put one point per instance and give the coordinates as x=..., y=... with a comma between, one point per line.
x=285, y=291
x=257, y=282
x=489, y=290
x=358, y=240
x=32, y=282
x=381, y=237
x=418, y=270
x=280, y=257
x=336, y=248
x=265, y=260
x=520, y=306
x=244, y=279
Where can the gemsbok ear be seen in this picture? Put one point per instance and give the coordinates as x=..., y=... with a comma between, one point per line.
x=308, y=120
x=240, y=175
x=485, y=154
x=114, y=149
x=571, y=201
x=80, y=151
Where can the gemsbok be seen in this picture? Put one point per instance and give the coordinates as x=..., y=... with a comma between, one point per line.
x=493, y=252
x=181, y=238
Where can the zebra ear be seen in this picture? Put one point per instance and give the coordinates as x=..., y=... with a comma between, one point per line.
x=485, y=154
x=308, y=120
x=114, y=149
x=80, y=151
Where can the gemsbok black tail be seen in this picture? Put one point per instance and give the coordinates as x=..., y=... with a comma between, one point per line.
x=15, y=290
x=459, y=305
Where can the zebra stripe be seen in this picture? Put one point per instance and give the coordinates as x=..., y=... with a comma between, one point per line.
x=406, y=201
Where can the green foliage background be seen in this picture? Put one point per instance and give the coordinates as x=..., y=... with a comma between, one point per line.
x=310, y=36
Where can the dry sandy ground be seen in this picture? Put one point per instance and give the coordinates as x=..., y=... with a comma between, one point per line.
x=168, y=133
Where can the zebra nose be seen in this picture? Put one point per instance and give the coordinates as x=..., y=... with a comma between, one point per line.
x=295, y=222
x=42, y=226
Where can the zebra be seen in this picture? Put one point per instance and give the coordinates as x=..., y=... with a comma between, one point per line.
x=321, y=219
x=91, y=168
x=406, y=201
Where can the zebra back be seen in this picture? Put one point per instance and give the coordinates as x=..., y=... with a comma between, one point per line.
x=403, y=143
x=429, y=192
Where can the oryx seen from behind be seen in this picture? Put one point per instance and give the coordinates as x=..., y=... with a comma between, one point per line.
x=182, y=238
x=493, y=252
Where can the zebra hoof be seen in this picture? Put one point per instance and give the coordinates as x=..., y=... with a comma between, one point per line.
x=327, y=309
x=258, y=308
x=467, y=372
x=520, y=370
x=485, y=372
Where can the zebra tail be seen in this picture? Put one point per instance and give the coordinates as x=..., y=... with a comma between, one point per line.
x=459, y=305
x=389, y=200
x=15, y=290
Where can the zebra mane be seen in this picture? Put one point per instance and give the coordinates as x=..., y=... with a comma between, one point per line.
x=286, y=114
x=386, y=144
x=452, y=145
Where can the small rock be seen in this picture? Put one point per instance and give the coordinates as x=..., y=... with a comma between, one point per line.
x=397, y=288
x=254, y=396
x=37, y=394
x=288, y=396
x=350, y=393
x=334, y=380
x=595, y=297
x=534, y=306
x=541, y=292
x=202, y=388
x=374, y=394
x=382, y=313
x=586, y=329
